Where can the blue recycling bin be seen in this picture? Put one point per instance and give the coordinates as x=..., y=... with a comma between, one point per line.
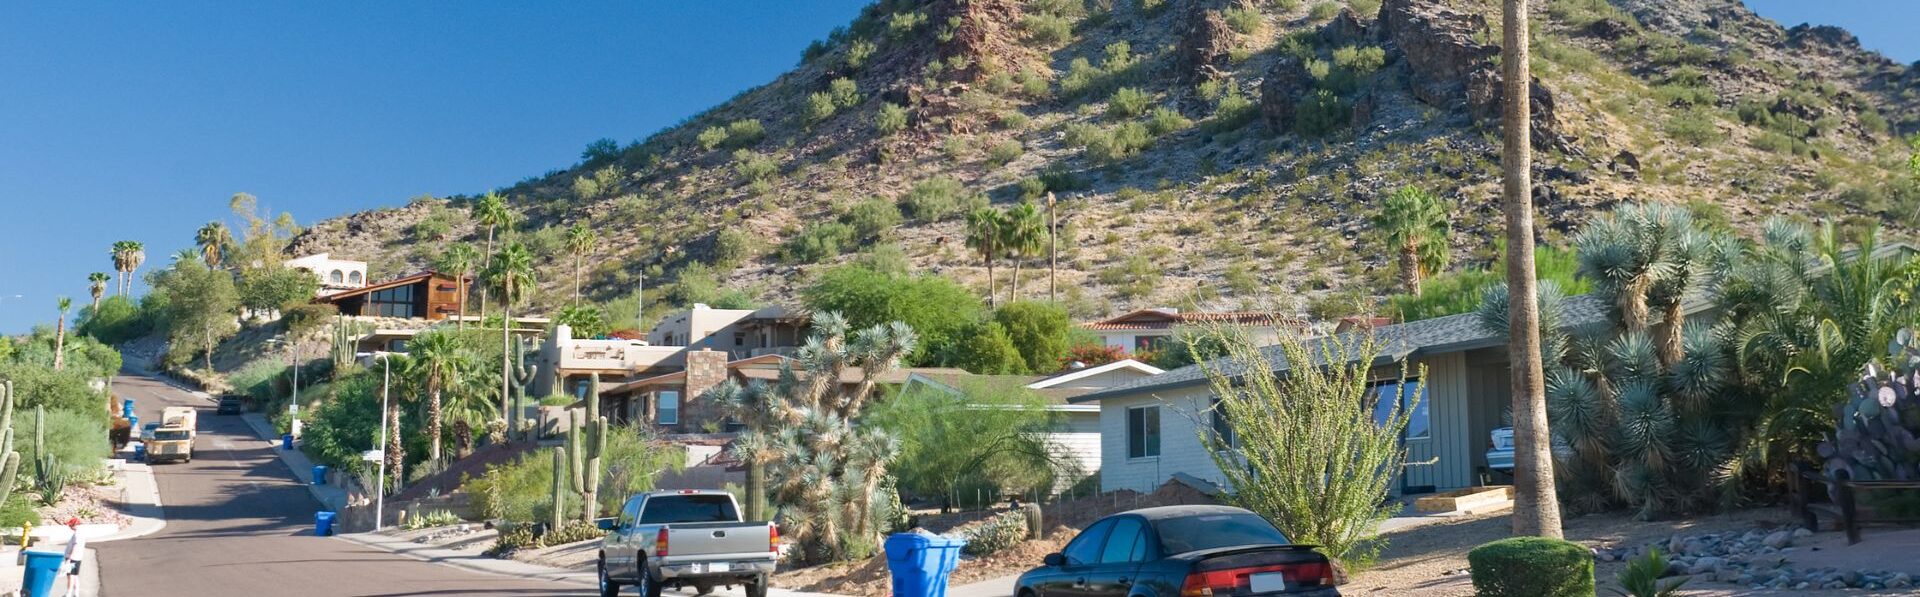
x=921, y=562
x=43, y=567
x=140, y=452
x=126, y=408
x=322, y=524
x=133, y=423
x=319, y=474
x=286, y=442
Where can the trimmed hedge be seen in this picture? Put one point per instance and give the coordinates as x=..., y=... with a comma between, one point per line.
x=1532, y=567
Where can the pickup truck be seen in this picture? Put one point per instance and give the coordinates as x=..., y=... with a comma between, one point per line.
x=173, y=439
x=687, y=538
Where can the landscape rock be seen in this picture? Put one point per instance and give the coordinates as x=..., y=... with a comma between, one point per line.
x=1447, y=68
x=1346, y=28
x=1286, y=82
x=1779, y=539
x=1206, y=41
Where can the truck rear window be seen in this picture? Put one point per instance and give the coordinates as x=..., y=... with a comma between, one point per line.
x=169, y=435
x=688, y=508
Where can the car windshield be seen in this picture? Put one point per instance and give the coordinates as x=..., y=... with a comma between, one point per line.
x=688, y=508
x=1211, y=531
x=169, y=435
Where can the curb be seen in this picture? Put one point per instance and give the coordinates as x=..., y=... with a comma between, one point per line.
x=148, y=518
x=511, y=568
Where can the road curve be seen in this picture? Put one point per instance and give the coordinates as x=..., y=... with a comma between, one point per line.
x=238, y=524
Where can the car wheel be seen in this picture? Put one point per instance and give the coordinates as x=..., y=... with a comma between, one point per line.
x=757, y=587
x=648, y=586
x=608, y=588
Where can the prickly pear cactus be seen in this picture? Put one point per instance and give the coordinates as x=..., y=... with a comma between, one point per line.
x=1878, y=432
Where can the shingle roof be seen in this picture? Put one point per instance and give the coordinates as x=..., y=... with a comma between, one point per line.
x=1451, y=333
x=1155, y=319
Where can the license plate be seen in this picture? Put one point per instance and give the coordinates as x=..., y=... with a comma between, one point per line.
x=1270, y=582
x=720, y=567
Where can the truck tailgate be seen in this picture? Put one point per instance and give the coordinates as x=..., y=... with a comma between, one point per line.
x=717, y=538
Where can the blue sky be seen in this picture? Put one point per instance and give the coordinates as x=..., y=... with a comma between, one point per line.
x=139, y=120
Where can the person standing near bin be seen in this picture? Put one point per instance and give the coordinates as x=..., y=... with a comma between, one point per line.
x=76, y=549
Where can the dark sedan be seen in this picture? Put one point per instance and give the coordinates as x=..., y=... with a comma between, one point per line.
x=1181, y=551
x=230, y=404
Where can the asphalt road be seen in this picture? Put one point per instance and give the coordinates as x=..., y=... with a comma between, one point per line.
x=239, y=524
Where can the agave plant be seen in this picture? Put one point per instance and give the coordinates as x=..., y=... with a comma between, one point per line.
x=1878, y=432
x=829, y=471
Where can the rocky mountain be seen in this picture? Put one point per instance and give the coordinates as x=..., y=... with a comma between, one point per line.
x=1210, y=153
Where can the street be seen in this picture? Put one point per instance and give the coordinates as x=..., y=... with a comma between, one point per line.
x=239, y=524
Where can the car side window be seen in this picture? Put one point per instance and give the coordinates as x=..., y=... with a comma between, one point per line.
x=1121, y=541
x=1085, y=549
x=630, y=512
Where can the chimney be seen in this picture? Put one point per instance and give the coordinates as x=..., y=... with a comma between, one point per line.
x=705, y=369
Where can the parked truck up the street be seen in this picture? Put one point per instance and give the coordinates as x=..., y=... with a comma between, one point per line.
x=686, y=538
x=173, y=439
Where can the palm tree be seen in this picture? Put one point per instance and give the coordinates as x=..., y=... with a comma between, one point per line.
x=127, y=256
x=97, y=284
x=580, y=240
x=136, y=255
x=214, y=241
x=510, y=271
x=1022, y=233
x=1053, y=250
x=491, y=211
x=1418, y=227
x=186, y=256
x=1536, y=510
x=60, y=335
x=436, y=360
x=460, y=260
x=983, y=236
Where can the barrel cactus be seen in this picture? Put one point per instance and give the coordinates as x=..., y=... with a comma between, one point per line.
x=1877, y=431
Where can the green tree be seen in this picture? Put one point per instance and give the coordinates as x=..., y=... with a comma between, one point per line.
x=270, y=288
x=586, y=321
x=985, y=349
x=117, y=319
x=1023, y=233
x=97, y=286
x=201, y=304
x=510, y=272
x=938, y=310
x=983, y=432
x=460, y=259
x=60, y=334
x=1039, y=330
x=1419, y=228
x=581, y=240
x=1279, y=432
x=985, y=227
x=213, y=239
x=436, y=361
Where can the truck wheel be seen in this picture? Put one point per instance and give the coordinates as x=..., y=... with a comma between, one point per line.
x=608, y=588
x=648, y=586
x=757, y=587
x=701, y=588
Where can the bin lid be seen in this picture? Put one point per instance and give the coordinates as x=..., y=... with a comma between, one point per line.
x=920, y=540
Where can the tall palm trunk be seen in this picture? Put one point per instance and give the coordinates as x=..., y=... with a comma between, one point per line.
x=433, y=421
x=576, y=278
x=1013, y=290
x=484, y=263
x=60, y=342
x=506, y=350
x=462, y=283
x=1410, y=268
x=1536, y=510
x=396, y=447
x=992, y=283
x=206, y=333
x=1053, y=251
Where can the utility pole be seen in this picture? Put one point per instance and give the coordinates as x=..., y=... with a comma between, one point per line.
x=1053, y=252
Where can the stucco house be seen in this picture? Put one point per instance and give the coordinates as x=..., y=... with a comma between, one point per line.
x=676, y=402
x=741, y=333
x=1149, y=428
x=1155, y=329
x=1077, y=438
x=335, y=275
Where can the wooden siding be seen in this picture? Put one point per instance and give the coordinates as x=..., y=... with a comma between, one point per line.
x=1447, y=445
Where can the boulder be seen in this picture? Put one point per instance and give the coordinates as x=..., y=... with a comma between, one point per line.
x=1286, y=82
x=1206, y=41
x=1608, y=29
x=1778, y=539
x=1346, y=28
x=1448, y=69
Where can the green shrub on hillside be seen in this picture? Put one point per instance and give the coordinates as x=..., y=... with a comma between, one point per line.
x=985, y=349
x=858, y=52
x=732, y=247
x=744, y=132
x=712, y=137
x=1532, y=567
x=1698, y=127
x=1038, y=330
x=1243, y=20
x=1323, y=11
x=1321, y=114
x=939, y=198
x=77, y=441
x=68, y=390
x=1128, y=102
x=844, y=92
x=819, y=242
x=753, y=166
x=872, y=218
x=938, y=309
x=1109, y=144
x=890, y=119
x=1119, y=66
x=118, y=320
x=1165, y=121
x=1234, y=110
x=820, y=107
x=1004, y=151
x=1047, y=31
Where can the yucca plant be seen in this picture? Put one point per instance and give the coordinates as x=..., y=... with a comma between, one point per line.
x=827, y=470
x=1641, y=578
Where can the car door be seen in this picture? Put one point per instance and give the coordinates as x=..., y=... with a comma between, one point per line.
x=1082, y=558
x=1119, y=558
x=620, y=547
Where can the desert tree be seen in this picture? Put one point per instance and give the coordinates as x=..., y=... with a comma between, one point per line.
x=1418, y=229
x=985, y=234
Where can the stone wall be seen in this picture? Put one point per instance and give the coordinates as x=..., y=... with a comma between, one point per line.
x=705, y=369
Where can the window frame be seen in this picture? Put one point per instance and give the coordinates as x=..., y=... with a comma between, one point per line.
x=660, y=413
x=1217, y=421
x=1423, y=408
x=1147, y=450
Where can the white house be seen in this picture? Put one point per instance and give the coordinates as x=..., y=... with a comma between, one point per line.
x=335, y=275
x=1153, y=330
x=1077, y=439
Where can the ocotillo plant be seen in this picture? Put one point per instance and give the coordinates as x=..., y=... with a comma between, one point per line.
x=558, y=497
x=586, y=442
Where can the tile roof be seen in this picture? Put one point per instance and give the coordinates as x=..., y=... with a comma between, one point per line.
x=1157, y=319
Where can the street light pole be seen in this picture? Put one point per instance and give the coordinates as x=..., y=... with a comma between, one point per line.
x=380, y=493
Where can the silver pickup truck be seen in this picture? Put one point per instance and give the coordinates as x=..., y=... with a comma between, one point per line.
x=686, y=539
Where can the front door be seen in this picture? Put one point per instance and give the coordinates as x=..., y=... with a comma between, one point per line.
x=1420, y=474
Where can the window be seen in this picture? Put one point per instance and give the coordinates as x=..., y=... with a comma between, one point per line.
x=392, y=302
x=336, y=277
x=1150, y=343
x=1143, y=432
x=667, y=407
x=1122, y=542
x=580, y=388
x=1400, y=394
x=1221, y=428
x=1209, y=531
x=739, y=338
x=1086, y=548
x=354, y=277
x=675, y=509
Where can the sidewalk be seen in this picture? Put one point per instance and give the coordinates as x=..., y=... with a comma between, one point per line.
x=331, y=496
x=993, y=587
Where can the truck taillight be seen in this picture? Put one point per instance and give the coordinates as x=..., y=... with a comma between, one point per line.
x=660, y=543
x=1219, y=583
x=773, y=537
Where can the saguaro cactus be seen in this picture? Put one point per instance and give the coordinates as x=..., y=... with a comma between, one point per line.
x=586, y=443
x=12, y=457
x=521, y=375
x=559, y=499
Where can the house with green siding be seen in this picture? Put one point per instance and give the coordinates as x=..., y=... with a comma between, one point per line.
x=1150, y=429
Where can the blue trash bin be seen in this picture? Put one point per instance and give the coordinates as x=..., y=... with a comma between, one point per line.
x=43, y=567
x=286, y=442
x=133, y=422
x=140, y=452
x=322, y=524
x=319, y=474
x=126, y=408
x=920, y=563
